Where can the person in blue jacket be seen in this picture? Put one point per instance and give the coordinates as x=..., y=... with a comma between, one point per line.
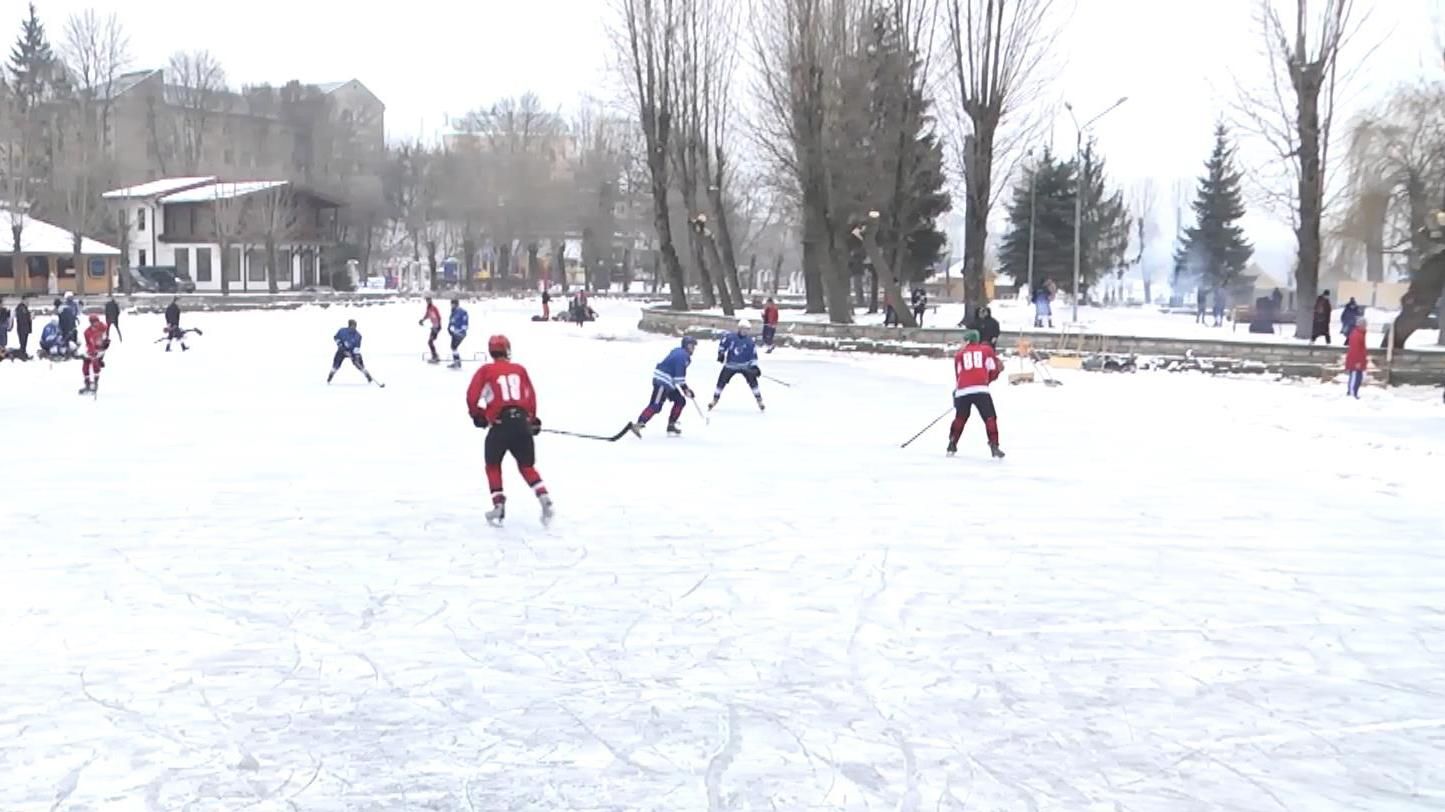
x=50, y=339
x=739, y=356
x=457, y=326
x=669, y=383
x=348, y=345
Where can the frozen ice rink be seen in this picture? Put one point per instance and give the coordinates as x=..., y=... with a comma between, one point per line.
x=225, y=585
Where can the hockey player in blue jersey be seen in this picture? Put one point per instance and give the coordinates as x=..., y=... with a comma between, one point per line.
x=457, y=326
x=348, y=345
x=669, y=383
x=739, y=356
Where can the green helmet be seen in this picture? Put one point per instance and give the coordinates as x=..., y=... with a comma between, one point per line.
x=970, y=337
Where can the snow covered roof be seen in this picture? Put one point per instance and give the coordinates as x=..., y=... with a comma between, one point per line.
x=157, y=188
x=40, y=237
x=221, y=191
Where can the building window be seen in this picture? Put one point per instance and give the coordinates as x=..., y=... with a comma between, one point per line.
x=65, y=267
x=7, y=267
x=283, y=266
x=255, y=265
x=203, y=264
x=183, y=261
x=140, y=219
x=143, y=258
x=37, y=267
x=97, y=268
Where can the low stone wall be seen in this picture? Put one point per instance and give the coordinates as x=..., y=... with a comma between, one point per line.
x=1409, y=366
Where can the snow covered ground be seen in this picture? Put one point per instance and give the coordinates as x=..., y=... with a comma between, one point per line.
x=1132, y=321
x=226, y=585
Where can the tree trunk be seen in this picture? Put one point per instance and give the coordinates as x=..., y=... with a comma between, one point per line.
x=873, y=291
x=978, y=181
x=1375, y=248
x=1427, y=286
x=469, y=252
x=1440, y=321
x=836, y=280
x=271, y=265
x=815, y=238
x=225, y=267
x=777, y=273
x=722, y=243
x=881, y=267
x=1311, y=198
x=431, y=264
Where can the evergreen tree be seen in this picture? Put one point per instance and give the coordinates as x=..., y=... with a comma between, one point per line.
x=1214, y=253
x=1104, y=221
x=35, y=74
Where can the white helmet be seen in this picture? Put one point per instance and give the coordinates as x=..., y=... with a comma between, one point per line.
x=744, y=325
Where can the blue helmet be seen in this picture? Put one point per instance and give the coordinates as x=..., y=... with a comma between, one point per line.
x=688, y=342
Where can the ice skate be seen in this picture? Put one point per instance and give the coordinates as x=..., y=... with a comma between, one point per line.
x=996, y=451
x=761, y=407
x=496, y=515
x=636, y=429
x=547, y=510
x=711, y=405
x=673, y=430
x=433, y=360
x=952, y=449
x=455, y=364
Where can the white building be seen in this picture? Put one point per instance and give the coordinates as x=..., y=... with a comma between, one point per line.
x=181, y=223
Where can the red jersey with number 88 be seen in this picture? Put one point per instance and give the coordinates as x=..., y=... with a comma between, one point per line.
x=501, y=385
x=975, y=367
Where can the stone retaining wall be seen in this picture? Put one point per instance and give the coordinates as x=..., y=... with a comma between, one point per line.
x=1409, y=366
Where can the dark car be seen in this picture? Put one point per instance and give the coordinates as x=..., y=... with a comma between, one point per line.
x=162, y=279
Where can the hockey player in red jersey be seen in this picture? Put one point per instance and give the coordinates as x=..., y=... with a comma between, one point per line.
x=95, y=346
x=501, y=400
x=435, y=317
x=974, y=368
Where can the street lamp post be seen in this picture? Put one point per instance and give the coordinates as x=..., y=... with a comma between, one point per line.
x=1079, y=181
x=1034, y=218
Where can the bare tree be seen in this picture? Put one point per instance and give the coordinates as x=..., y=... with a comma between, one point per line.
x=1294, y=115
x=276, y=217
x=646, y=36
x=96, y=50
x=198, y=82
x=996, y=49
x=1146, y=226
x=228, y=223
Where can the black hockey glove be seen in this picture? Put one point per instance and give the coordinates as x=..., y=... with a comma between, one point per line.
x=480, y=421
x=757, y=370
x=105, y=345
x=536, y=425
x=687, y=391
x=719, y=357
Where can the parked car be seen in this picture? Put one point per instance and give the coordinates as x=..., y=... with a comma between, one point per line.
x=161, y=279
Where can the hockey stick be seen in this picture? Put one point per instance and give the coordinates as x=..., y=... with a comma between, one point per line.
x=614, y=438
x=706, y=421
x=777, y=381
x=926, y=428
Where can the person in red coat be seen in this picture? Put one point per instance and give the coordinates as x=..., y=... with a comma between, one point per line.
x=96, y=344
x=501, y=399
x=974, y=368
x=435, y=317
x=1357, y=359
x=770, y=323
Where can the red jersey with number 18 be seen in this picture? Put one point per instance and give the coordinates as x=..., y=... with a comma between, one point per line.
x=501, y=385
x=975, y=367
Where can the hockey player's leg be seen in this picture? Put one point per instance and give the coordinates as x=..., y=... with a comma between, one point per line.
x=722, y=381
x=494, y=449
x=752, y=377
x=961, y=406
x=524, y=451
x=659, y=397
x=990, y=422
x=679, y=402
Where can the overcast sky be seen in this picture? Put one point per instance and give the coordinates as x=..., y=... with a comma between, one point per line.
x=1176, y=60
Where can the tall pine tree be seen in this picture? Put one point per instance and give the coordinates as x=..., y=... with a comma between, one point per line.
x=1214, y=252
x=1104, y=220
x=35, y=74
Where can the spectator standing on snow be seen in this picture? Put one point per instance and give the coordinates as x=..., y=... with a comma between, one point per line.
x=546, y=305
x=920, y=304
x=1322, y=318
x=112, y=318
x=1218, y=307
x=1350, y=315
x=890, y=316
x=1043, y=309
x=1357, y=359
x=770, y=323
x=1201, y=300
x=23, y=325
x=987, y=326
x=4, y=327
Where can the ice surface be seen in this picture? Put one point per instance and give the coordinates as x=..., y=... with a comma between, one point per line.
x=225, y=585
